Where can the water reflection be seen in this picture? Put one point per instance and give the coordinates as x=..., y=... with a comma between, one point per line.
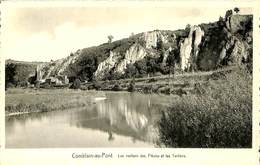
x=122, y=120
x=125, y=114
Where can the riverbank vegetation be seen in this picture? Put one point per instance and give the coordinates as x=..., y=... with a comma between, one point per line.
x=218, y=115
x=19, y=101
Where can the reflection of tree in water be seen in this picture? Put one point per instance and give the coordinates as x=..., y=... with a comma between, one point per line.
x=128, y=114
x=110, y=136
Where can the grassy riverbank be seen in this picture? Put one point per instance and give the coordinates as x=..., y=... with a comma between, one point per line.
x=19, y=101
x=178, y=84
x=219, y=115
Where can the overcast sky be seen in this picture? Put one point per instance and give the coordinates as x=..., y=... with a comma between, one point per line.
x=45, y=33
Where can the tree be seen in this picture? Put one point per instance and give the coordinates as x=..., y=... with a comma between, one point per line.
x=236, y=9
x=131, y=87
x=76, y=84
x=228, y=13
x=10, y=71
x=188, y=27
x=130, y=71
x=110, y=38
x=160, y=45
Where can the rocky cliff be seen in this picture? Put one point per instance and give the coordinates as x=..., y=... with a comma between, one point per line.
x=58, y=67
x=207, y=46
x=189, y=48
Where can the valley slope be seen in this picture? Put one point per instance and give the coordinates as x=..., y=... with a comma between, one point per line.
x=203, y=47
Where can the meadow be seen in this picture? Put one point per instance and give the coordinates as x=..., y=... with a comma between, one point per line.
x=219, y=115
x=19, y=101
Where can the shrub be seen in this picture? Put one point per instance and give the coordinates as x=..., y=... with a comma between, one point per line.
x=116, y=87
x=9, y=85
x=148, y=89
x=152, y=80
x=220, y=117
x=165, y=90
x=23, y=84
x=131, y=87
x=76, y=84
x=97, y=85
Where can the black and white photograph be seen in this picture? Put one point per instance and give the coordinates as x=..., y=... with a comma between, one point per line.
x=128, y=76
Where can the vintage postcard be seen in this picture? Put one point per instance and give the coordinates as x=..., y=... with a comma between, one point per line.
x=131, y=82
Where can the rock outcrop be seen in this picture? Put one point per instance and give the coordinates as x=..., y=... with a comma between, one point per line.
x=190, y=47
x=165, y=56
x=152, y=38
x=107, y=65
x=56, y=68
x=200, y=47
x=236, y=23
x=135, y=53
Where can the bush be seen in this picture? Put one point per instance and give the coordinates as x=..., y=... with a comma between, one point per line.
x=131, y=87
x=97, y=85
x=116, y=87
x=23, y=84
x=76, y=84
x=152, y=80
x=148, y=89
x=220, y=117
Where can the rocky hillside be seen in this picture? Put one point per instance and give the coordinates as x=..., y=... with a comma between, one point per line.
x=18, y=73
x=203, y=47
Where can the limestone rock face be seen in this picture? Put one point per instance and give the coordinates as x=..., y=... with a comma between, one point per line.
x=165, y=56
x=202, y=47
x=190, y=43
x=106, y=65
x=152, y=38
x=135, y=53
x=239, y=51
x=67, y=62
x=236, y=22
x=57, y=67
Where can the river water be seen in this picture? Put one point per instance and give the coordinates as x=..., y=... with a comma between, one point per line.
x=120, y=120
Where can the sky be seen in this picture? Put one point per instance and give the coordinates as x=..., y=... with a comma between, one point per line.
x=50, y=33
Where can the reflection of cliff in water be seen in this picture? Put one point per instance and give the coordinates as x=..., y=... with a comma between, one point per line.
x=129, y=115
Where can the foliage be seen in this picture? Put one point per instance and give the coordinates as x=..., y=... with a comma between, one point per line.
x=97, y=85
x=9, y=74
x=87, y=63
x=18, y=73
x=236, y=9
x=131, y=87
x=148, y=65
x=110, y=38
x=220, y=116
x=117, y=87
x=42, y=100
x=76, y=84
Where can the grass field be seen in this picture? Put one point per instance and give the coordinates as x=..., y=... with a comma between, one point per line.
x=19, y=100
x=178, y=84
x=218, y=115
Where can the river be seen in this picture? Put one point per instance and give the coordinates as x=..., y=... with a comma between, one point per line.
x=121, y=120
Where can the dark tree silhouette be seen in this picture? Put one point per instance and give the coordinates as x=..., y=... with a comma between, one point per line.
x=236, y=9
x=110, y=38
